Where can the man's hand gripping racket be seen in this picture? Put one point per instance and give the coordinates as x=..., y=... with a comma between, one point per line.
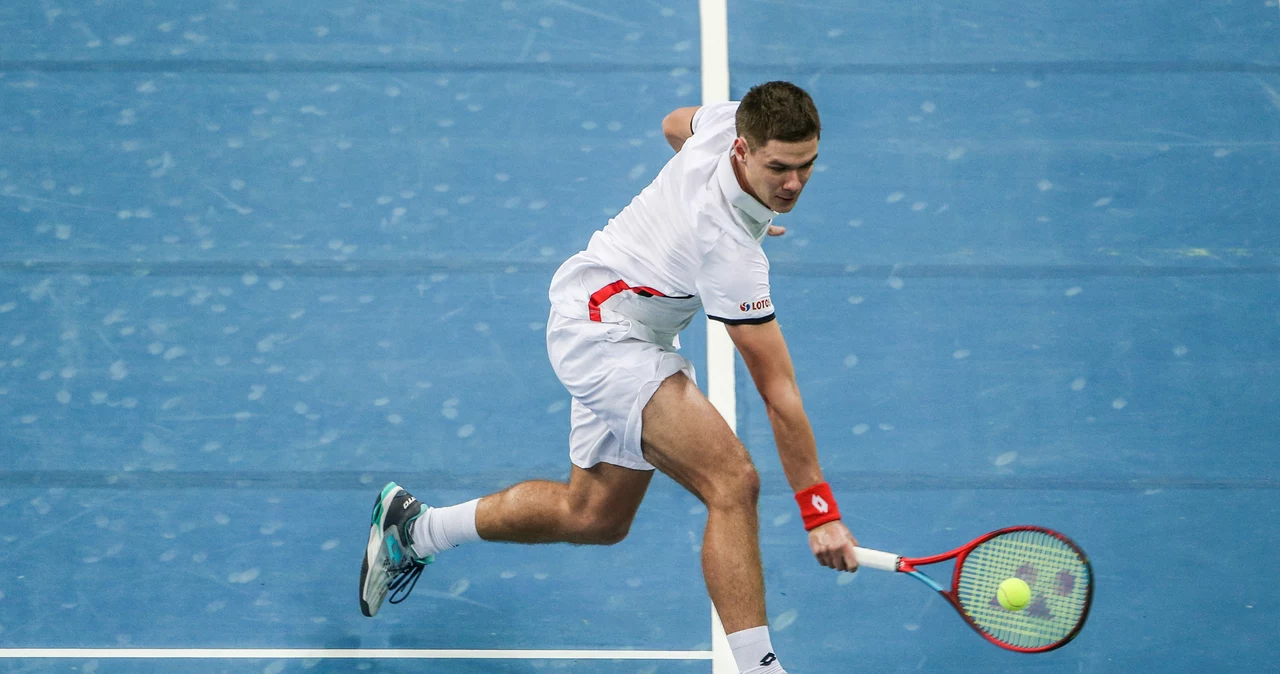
x=834, y=547
x=1052, y=565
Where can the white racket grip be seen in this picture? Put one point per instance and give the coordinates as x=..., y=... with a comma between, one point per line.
x=875, y=559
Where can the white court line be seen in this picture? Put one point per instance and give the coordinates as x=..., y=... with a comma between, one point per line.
x=342, y=653
x=714, y=22
x=713, y=18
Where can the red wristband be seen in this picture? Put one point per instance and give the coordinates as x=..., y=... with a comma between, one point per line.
x=817, y=506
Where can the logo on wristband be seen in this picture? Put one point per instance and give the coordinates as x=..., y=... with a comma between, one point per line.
x=817, y=506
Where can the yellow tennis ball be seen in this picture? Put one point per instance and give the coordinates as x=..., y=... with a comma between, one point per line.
x=1014, y=594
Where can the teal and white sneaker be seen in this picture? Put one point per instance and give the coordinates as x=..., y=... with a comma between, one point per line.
x=390, y=563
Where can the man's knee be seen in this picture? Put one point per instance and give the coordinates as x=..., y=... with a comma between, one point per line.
x=748, y=484
x=736, y=486
x=602, y=528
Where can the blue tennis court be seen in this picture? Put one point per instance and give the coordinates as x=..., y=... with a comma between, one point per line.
x=260, y=258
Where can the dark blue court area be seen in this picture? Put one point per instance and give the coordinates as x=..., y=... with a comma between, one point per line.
x=261, y=257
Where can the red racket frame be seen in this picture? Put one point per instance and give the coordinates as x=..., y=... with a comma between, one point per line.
x=952, y=595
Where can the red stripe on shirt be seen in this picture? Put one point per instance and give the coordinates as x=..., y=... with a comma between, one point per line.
x=600, y=296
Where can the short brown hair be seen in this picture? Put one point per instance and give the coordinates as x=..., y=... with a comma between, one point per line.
x=777, y=111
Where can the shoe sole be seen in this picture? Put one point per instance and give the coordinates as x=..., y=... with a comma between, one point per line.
x=377, y=556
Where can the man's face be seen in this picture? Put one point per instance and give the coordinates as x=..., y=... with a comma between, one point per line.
x=776, y=172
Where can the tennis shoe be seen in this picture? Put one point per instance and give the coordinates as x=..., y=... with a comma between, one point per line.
x=390, y=564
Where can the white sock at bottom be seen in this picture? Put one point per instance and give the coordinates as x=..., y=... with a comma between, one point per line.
x=440, y=529
x=753, y=651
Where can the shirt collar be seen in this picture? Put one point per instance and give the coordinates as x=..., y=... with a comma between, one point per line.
x=756, y=216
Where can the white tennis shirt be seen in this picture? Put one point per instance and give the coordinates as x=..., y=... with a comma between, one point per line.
x=689, y=240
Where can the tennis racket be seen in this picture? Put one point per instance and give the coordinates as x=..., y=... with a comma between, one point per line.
x=1055, y=568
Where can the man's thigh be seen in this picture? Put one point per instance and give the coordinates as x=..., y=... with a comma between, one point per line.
x=685, y=437
x=609, y=491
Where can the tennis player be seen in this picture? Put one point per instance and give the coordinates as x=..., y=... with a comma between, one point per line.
x=690, y=240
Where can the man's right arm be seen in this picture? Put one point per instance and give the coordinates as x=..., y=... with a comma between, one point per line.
x=678, y=126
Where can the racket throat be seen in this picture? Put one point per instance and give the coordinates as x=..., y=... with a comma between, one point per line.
x=926, y=580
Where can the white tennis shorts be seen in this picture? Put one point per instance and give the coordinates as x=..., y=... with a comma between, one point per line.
x=611, y=377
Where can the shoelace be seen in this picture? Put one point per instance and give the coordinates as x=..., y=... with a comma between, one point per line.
x=406, y=581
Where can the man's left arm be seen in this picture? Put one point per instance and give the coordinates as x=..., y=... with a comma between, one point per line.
x=765, y=353
x=678, y=126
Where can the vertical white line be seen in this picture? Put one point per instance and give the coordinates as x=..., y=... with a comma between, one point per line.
x=715, y=50
x=714, y=22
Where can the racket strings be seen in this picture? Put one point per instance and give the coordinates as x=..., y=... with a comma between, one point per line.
x=1058, y=576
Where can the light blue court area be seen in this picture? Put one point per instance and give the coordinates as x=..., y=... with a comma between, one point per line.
x=261, y=258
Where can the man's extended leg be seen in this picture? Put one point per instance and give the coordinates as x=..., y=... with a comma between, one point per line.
x=596, y=506
x=687, y=439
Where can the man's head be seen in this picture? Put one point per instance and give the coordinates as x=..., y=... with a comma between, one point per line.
x=778, y=131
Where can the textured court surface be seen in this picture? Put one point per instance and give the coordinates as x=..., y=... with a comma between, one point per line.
x=261, y=257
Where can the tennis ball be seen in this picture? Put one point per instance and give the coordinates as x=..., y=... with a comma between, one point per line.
x=1014, y=594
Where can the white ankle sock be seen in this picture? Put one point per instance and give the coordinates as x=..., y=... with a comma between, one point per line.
x=440, y=529
x=753, y=651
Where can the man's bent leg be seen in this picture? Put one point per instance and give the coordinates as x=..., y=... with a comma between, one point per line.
x=595, y=507
x=687, y=439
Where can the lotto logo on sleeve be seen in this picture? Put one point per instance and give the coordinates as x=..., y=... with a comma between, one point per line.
x=755, y=306
x=820, y=504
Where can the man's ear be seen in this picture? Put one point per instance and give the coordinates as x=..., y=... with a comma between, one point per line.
x=740, y=148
